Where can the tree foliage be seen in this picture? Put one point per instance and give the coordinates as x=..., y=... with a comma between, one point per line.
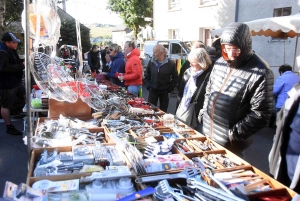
x=10, y=11
x=69, y=37
x=132, y=12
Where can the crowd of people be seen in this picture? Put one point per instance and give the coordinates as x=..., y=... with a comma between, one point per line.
x=122, y=66
x=227, y=92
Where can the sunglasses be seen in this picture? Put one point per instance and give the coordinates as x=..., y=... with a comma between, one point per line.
x=111, y=50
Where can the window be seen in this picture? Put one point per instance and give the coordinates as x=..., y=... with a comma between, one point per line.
x=176, y=49
x=173, y=34
x=165, y=44
x=174, y=4
x=208, y=3
x=281, y=12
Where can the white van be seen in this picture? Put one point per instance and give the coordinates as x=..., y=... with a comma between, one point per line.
x=176, y=48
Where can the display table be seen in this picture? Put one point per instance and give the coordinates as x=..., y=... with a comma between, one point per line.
x=114, y=128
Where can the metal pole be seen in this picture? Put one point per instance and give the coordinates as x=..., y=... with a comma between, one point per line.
x=236, y=16
x=295, y=55
x=79, y=48
x=284, y=48
x=27, y=80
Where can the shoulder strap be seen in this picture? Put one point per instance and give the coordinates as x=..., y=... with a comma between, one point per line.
x=200, y=88
x=3, y=51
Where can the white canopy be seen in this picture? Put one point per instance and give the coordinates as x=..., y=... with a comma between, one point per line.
x=277, y=27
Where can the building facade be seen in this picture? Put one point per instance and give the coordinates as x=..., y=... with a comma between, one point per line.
x=191, y=20
x=274, y=50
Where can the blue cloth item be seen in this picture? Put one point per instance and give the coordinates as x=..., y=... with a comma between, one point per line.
x=134, y=89
x=282, y=85
x=293, y=148
x=118, y=65
x=158, y=64
x=189, y=89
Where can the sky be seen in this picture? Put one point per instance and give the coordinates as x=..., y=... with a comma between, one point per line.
x=92, y=11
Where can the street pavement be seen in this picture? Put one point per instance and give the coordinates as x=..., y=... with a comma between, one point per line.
x=14, y=156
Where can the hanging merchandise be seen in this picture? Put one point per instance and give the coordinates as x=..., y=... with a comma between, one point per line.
x=50, y=73
x=179, y=62
x=44, y=22
x=92, y=94
x=178, y=65
x=52, y=77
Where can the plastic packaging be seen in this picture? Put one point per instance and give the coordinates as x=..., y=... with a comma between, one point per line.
x=117, y=187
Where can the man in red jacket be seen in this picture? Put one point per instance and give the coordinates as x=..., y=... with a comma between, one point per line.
x=133, y=75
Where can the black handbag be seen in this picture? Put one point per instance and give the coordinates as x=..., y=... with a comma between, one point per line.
x=188, y=116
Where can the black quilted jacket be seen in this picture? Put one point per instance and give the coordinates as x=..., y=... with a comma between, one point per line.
x=239, y=99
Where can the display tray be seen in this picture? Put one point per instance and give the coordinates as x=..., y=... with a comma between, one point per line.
x=36, y=153
x=219, y=164
x=195, y=141
x=168, y=171
x=280, y=191
x=91, y=129
x=136, y=186
x=165, y=130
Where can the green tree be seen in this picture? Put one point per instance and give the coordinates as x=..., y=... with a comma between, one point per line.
x=132, y=12
x=68, y=35
x=10, y=11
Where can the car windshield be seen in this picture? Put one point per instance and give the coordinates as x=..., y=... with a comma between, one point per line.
x=186, y=46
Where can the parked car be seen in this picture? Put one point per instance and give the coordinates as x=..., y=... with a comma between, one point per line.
x=176, y=49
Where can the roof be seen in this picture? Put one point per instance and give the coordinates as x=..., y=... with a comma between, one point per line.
x=120, y=27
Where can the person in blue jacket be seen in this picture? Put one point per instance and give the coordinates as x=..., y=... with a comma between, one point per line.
x=283, y=84
x=118, y=64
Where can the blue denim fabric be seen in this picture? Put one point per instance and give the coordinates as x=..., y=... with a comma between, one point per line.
x=134, y=89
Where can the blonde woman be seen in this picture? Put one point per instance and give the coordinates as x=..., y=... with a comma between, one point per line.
x=118, y=64
x=192, y=86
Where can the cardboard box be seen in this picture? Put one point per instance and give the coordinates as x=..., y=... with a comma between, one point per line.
x=78, y=109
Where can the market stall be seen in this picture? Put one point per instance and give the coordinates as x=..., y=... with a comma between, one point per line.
x=99, y=142
x=132, y=150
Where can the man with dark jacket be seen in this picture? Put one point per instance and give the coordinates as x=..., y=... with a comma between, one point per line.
x=94, y=59
x=160, y=77
x=11, y=72
x=103, y=59
x=239, y=94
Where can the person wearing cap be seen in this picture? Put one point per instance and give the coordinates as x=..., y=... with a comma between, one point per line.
x=239, y=94
x=11, y=73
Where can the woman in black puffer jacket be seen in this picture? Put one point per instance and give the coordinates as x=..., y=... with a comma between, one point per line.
x=239, y=99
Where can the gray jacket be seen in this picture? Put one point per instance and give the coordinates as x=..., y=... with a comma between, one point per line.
x=277, y=162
